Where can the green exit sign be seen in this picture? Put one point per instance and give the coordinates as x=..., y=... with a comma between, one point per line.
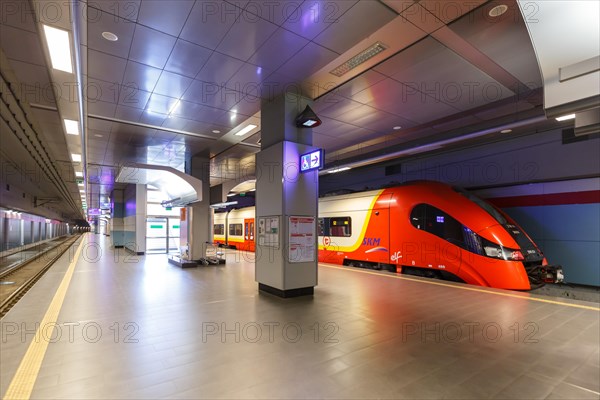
x=156, y=226
x=168, y=208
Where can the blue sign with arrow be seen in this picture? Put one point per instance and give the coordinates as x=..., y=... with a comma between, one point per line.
x=311, y=161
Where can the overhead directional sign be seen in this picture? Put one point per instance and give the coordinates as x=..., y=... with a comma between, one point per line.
x=312, y=160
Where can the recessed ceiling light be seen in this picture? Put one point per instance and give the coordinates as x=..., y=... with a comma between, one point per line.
x=76, y=157
x=245, y=130
x=506, y=131
x=72, y=127
x=79, y=174
x=216, y=131
x=397, y=127
x=110, y=36
x=80, y=184
x=498, y=10
x=565, y=117
x=59, y=48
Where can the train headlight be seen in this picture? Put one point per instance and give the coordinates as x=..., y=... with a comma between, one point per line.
x=494, y=250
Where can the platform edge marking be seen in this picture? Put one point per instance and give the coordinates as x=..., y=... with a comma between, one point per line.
x=24, y=379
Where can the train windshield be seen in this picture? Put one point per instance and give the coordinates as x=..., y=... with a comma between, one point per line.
x=497, y=215
x=526, y=245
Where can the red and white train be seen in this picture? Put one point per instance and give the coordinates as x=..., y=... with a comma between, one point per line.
x=421, y=228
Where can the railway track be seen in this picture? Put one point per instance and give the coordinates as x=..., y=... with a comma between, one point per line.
x=17, y=279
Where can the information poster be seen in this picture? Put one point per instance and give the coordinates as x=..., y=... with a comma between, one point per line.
x=268, y=231
x=301, y=240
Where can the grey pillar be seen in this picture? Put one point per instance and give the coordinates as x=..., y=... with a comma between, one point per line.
x=199, y=215
x=286, y=202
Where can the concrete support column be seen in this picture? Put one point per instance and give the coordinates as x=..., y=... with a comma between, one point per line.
x=286, y=202
x=199, y=215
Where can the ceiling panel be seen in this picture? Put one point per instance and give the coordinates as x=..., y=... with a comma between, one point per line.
x=307, y=61
x=514, y=52
x=173, y=85
x=219, y=69
x=36, y=85
x=128, y=113
x=98, y=90
x=313, y=17
x=352, y=27
x=19, y=14
x=448, y=11
x=458, y=84
x=106, y=67
x=422, y=18
x=208, y=24
x=274, y=11
x=141, y=76
x=104, y=22
x=247, y=80
x=187, y=58
x=245, y=37
x=165, y=16
x=28, y=50
x=151, y=47
x=396, y=98
x=278, y=49
x=359, y=83
x=131, y=96
x=101, y=108
x=116, y=8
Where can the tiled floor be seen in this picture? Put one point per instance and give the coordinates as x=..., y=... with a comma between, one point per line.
x=141, y=328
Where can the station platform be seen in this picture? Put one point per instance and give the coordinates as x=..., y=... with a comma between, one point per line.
x=115, y=325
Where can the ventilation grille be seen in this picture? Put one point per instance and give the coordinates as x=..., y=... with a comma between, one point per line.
x=359, y=59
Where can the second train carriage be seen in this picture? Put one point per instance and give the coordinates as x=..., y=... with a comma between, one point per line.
x=423, y=228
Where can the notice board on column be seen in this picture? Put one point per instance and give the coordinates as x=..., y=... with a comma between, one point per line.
x=301, y=239
x=268, y=231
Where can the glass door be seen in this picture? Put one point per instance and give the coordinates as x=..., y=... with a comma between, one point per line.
x=156, y=235
x=173, y=235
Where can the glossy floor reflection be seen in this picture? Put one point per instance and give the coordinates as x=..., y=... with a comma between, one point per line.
x=136, y=327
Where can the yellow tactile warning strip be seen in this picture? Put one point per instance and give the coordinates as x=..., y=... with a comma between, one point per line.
x=22, y=383
x=472, y=289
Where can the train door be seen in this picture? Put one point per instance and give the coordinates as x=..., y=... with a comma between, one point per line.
x=249, y=233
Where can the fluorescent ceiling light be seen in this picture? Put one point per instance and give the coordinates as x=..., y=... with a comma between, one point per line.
x=60, y=48
x=223, y=205
x=565, y=117
x=231, y=194
x=359, y=59
x=245, y=130
x=72, y=127
x=76, y=157
x=333, y=171
x=80, y=184
x=79, y=174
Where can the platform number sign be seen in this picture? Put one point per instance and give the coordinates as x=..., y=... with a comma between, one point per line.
x=311, y=161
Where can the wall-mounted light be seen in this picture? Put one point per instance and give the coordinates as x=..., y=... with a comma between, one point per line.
x=335, y=170
x=565, y=117
x=307, y=119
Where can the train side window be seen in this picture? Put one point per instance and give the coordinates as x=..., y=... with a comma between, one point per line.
x=323, y=227
x=340, y=227
x=219, y=229
x=235, y=229
x=437, y=222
